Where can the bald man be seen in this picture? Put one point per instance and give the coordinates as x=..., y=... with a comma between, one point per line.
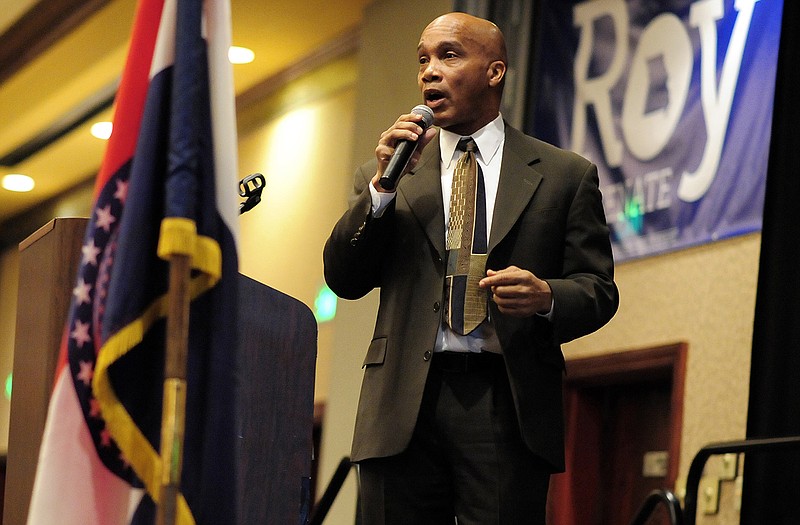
x=468, y=425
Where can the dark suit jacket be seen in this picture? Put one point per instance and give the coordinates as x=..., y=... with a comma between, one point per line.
x=548, y=218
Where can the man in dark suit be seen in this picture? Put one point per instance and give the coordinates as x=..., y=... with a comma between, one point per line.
x=453, y=424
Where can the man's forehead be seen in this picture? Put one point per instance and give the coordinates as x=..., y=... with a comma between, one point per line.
x=448, y=36
x=449, y=42
x=458, y=29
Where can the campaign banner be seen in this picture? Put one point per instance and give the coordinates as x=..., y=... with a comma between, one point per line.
x=673, y=102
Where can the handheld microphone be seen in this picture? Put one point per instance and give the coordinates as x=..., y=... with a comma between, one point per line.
x=404, y=150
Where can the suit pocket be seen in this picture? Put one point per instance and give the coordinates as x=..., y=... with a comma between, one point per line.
x=376, y=352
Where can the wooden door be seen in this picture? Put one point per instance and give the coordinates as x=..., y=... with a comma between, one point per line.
x=623, y=417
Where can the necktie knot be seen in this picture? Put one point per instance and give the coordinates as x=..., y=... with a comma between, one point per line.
x=467, y=144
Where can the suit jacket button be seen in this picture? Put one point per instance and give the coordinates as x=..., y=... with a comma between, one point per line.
x=436, y=306
x=426, y=356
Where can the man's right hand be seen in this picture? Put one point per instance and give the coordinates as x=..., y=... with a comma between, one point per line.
x=406, y=127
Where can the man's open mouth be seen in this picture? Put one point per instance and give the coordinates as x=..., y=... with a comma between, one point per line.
x=432, y=95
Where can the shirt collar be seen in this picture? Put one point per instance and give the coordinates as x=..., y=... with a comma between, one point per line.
x=488, y=139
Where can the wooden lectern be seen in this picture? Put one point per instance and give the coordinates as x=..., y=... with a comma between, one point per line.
x=48, y=264
x=276, y=359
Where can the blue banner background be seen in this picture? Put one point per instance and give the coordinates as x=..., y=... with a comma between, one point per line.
x=646, y=212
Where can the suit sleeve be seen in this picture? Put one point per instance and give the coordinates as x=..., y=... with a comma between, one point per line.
x=353, y=254
x=585, y=297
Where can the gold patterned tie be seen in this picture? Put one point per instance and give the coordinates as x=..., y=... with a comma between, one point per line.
x=465, y=302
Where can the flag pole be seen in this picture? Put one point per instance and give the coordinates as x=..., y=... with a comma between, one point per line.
x=175, y=246
x=173, y=415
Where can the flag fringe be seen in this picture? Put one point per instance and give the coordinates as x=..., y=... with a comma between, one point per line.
x=179, y=237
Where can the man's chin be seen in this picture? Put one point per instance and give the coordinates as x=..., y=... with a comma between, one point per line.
x=441, y=118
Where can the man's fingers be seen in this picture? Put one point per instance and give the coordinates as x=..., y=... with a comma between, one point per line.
x=511, y=275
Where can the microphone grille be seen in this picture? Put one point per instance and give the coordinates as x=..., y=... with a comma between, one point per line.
x=427, y=115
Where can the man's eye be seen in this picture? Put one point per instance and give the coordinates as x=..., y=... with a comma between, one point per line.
x=450, y=54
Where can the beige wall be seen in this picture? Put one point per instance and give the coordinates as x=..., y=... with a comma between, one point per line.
x=302, y=148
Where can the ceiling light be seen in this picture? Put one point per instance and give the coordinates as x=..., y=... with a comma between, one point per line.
x=240, y=55
x=17, y=182
x=102, y=130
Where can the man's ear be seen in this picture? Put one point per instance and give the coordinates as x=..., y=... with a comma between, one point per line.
x=496, y=72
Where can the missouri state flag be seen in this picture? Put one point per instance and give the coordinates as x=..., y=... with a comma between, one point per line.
x=166, y=186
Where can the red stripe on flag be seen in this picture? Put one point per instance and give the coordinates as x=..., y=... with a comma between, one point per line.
x=132, y=91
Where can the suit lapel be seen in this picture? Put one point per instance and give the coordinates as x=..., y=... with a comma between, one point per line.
x=518, y=182
x=422, y=190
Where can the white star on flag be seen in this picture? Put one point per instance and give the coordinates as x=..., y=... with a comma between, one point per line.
x=90, y=253
x=81, y=292
x=122, y=191
x=81, y=334
x=105, y=218
x=86, y=373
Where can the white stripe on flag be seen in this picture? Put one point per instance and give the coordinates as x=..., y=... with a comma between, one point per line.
x=90, y=494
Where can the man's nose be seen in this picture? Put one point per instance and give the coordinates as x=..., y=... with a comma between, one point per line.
x=431, y=71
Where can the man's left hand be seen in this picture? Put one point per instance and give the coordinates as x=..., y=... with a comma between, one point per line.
x=518, y=292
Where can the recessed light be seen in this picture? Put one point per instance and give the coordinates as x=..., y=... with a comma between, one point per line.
x=18, y=182
x=240, y=55
x=102, y=130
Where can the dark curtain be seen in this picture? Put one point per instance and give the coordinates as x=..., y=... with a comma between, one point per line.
x=772, y=480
